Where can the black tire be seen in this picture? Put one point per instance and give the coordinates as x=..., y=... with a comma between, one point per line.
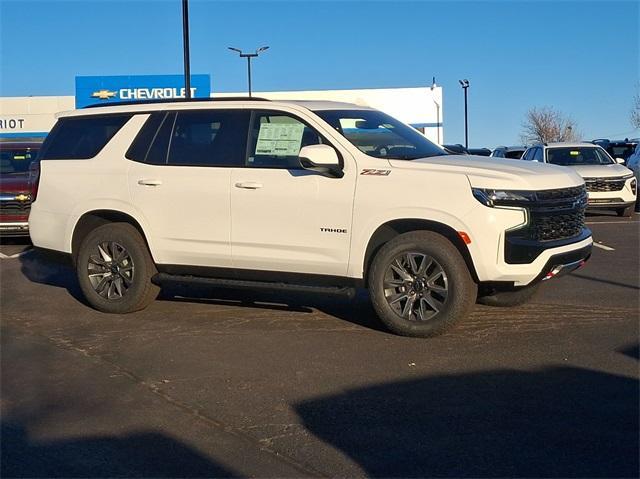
x=509, y=299
x=625, y=212
x=461, y=290
x=127, y=278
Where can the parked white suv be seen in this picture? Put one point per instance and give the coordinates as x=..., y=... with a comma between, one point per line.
x=317, y=196
x=610, y=184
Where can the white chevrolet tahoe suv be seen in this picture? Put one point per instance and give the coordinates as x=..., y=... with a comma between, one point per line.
x=313, y=196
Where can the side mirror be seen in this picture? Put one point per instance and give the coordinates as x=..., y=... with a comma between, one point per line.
x=322, y=159
x=620, y=161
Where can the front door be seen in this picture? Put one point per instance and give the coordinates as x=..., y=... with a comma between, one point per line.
x=285, y=218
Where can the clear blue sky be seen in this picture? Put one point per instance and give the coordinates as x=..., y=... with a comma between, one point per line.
x=581, y=57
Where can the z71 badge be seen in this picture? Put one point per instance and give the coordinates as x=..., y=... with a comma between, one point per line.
x=374, y=172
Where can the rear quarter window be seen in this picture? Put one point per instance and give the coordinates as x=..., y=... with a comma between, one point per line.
x=81, y=138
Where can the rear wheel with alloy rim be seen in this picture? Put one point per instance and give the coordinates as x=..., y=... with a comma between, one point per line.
x=420, y=284
x=114, y=269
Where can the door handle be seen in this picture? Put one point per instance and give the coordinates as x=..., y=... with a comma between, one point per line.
x=249, y=185
x=148, y=182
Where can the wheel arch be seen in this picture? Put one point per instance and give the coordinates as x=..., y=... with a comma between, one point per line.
x=93, y=219
x=389, y=230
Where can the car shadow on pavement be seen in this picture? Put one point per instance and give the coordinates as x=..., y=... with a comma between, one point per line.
x=555, y=422
x=143, y=454
x=53, y=269
x=45, y=267
x=357, y=310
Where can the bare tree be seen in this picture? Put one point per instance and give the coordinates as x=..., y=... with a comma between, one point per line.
x=546, y=124
x=635, y=112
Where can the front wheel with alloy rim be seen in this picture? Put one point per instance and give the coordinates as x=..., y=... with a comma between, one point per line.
x=420, y=284
x=114, y=269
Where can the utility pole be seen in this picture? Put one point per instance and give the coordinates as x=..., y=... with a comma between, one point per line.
x=185, y=44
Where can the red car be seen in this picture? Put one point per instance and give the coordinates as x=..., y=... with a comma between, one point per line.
x=16, y=173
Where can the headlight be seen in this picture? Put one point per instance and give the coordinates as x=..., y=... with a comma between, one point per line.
x=503, y=197
x=626, y=177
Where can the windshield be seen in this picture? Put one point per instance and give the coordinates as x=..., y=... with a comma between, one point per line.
x=575, y=156
x=16, y=160
x=379, y=135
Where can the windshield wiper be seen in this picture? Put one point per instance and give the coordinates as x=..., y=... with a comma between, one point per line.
x=410, y=157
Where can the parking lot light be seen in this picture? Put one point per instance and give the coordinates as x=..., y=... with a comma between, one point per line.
x=465, y=85
x=249, y=56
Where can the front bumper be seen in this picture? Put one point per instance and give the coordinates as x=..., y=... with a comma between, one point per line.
x=518, y=250
x=14, y=228
x=625, y=196
x=613, y=203
x=564, y=263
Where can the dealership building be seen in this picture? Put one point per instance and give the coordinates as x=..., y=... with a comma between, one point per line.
x=31, y=117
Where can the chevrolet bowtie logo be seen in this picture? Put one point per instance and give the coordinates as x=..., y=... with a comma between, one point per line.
x=103, y=94
x=21, y=197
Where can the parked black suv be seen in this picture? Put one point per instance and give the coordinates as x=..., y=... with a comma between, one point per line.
x=618, y=148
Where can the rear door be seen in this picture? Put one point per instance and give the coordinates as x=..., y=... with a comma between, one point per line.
x=285, y=218
x=181, y=183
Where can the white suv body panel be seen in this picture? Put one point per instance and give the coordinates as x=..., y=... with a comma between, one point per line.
x=71, y=188
x=277, y=227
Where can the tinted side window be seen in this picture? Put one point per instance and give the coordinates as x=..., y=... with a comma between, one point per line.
x=76, y=138
x=209, y=138
x=538, y=155
x=157, y=154
x=276, y=140
x=528, y=154
x=140, y=146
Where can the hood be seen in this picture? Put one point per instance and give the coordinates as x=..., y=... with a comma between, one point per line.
x=14, y=183
x=498, y=173
x=601, y=171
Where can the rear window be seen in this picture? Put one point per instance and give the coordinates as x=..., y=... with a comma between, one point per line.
x=80, y=138
x=514, y=154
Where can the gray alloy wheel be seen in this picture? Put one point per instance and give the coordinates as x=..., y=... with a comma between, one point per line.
x=110, y=270
x=420, y=284
x=416, y=286
x=115, y=269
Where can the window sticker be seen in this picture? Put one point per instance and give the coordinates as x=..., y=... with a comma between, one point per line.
x=279, y=139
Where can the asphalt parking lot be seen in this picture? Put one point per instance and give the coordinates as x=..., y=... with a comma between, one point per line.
x=253, y=384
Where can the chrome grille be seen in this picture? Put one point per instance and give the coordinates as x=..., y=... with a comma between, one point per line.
x=14, y=207
x=604, y=184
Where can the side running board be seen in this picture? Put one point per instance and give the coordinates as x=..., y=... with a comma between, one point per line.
x=350, y=292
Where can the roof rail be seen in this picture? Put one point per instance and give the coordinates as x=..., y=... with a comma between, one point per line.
x=177, y=100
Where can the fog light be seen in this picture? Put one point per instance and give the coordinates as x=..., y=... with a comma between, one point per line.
x=634, y=186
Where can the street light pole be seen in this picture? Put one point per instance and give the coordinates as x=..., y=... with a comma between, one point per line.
x=465, y=85
x=249, y=56
x=249, y=72
x=185, y=43
x=433, y=87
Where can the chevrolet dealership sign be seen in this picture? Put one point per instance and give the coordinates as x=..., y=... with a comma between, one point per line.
x=91, y=90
